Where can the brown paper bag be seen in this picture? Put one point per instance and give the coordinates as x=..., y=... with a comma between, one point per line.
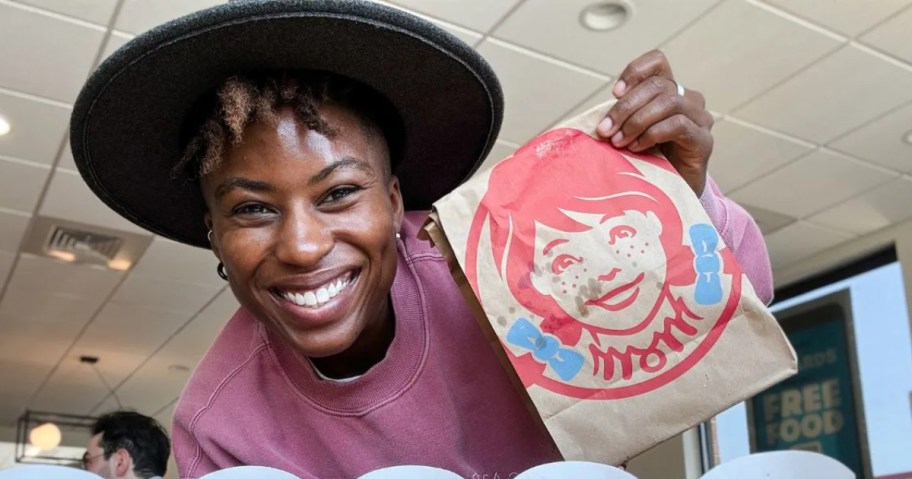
x=614, y=304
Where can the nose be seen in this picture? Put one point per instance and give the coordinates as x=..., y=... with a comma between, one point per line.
x=303, y=239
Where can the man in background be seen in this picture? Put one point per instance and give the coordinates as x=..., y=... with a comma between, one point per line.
x=127, y=445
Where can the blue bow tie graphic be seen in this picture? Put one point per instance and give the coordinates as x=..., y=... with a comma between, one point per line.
x=545, y=349
x=707, y=264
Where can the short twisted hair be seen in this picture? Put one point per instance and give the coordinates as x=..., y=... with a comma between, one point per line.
x=242, y=100
x=141, y=436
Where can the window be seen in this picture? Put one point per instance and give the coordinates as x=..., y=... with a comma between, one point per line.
x=883, y=351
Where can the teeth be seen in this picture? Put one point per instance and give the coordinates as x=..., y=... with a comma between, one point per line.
x=322, y=295
x=317, y=297
x=310, y=299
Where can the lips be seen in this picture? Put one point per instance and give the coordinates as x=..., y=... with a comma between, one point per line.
x=314, y=293
x=619, y=297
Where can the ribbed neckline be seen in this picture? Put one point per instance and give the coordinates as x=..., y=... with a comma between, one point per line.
x=387, y=379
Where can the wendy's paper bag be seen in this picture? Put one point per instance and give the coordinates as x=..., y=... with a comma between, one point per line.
x=614, y=304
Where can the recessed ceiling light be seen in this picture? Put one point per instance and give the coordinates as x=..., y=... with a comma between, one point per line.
x=4, y=126
x=63, y=255
x=119, y=264
x=908, y=137
x=606, y=15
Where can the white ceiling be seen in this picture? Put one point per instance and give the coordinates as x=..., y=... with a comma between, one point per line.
x=813, y=100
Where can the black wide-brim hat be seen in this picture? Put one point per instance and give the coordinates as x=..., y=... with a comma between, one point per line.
x=129, y=123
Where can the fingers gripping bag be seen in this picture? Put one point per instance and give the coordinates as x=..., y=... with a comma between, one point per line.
x=615, y=306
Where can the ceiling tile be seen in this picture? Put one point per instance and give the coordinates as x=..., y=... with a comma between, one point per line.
x=49, y=65
x=124, y=328
x=74, y=388
x=500, y=151
x=39, y=312
x=847, y=17
x=893, y=36
x=115, y=41
x=468, y=36
x=870, y=211
x=165, y=417
x=70, y=198
x=811, y=184
x=742, y=153
x=6, y=263
x=882, y=141
x=12, y=227
x=554, y=28
x=95, y=11
x=833, y=96
x=194, y=340
x=20, y=380
x=66, y=159
x=747, y=42
x=769, y=221
x=110, y=404
x=524, y=117
x=137, y=16
x=154, y=385
x=479, y=15
x=800, y=240
x=600, y=97
x=57, y=277
x=167, y=260
x=21, y=184
x=37, y=128
x=164, y=294
x=34, y=346
x=41, y=340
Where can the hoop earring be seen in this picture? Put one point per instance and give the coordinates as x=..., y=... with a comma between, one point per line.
x=220, y=269
x=209, y=236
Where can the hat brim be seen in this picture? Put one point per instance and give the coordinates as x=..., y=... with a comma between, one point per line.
x=126, y=128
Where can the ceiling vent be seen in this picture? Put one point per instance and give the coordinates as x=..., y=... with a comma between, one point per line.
x=85, y=244
x=82, y=246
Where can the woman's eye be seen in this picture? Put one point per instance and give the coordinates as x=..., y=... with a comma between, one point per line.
x=340, y=193
x=564, y=261
x=622, y=231
x=254, y=209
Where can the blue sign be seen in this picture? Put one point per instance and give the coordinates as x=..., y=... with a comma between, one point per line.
x=814, y=410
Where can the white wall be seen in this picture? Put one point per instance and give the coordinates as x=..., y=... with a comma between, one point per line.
x=900, y=235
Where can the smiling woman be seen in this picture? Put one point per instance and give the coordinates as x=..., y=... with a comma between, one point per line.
x=304, y=219
x=293, y=155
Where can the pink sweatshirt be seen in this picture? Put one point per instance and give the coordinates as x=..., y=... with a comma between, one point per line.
x=439, y=397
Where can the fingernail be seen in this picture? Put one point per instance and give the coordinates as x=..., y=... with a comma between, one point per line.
x=604, y=128
x=620, y=87
x=617, y=138
x=635, y=146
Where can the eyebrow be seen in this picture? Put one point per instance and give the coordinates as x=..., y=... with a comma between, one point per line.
x=243, y=183
x=344, y=163
x=552, y=245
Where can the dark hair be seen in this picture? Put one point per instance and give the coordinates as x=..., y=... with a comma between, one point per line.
x=243, y=99
x=141, y=436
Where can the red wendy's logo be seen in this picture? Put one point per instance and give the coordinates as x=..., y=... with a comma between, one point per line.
x=617, y=295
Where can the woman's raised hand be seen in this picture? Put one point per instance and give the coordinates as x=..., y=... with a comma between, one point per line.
x=651, y=111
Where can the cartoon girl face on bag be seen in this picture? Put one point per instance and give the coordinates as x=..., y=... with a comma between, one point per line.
x=596, y=254
x=597, y=257
x=596, y=275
